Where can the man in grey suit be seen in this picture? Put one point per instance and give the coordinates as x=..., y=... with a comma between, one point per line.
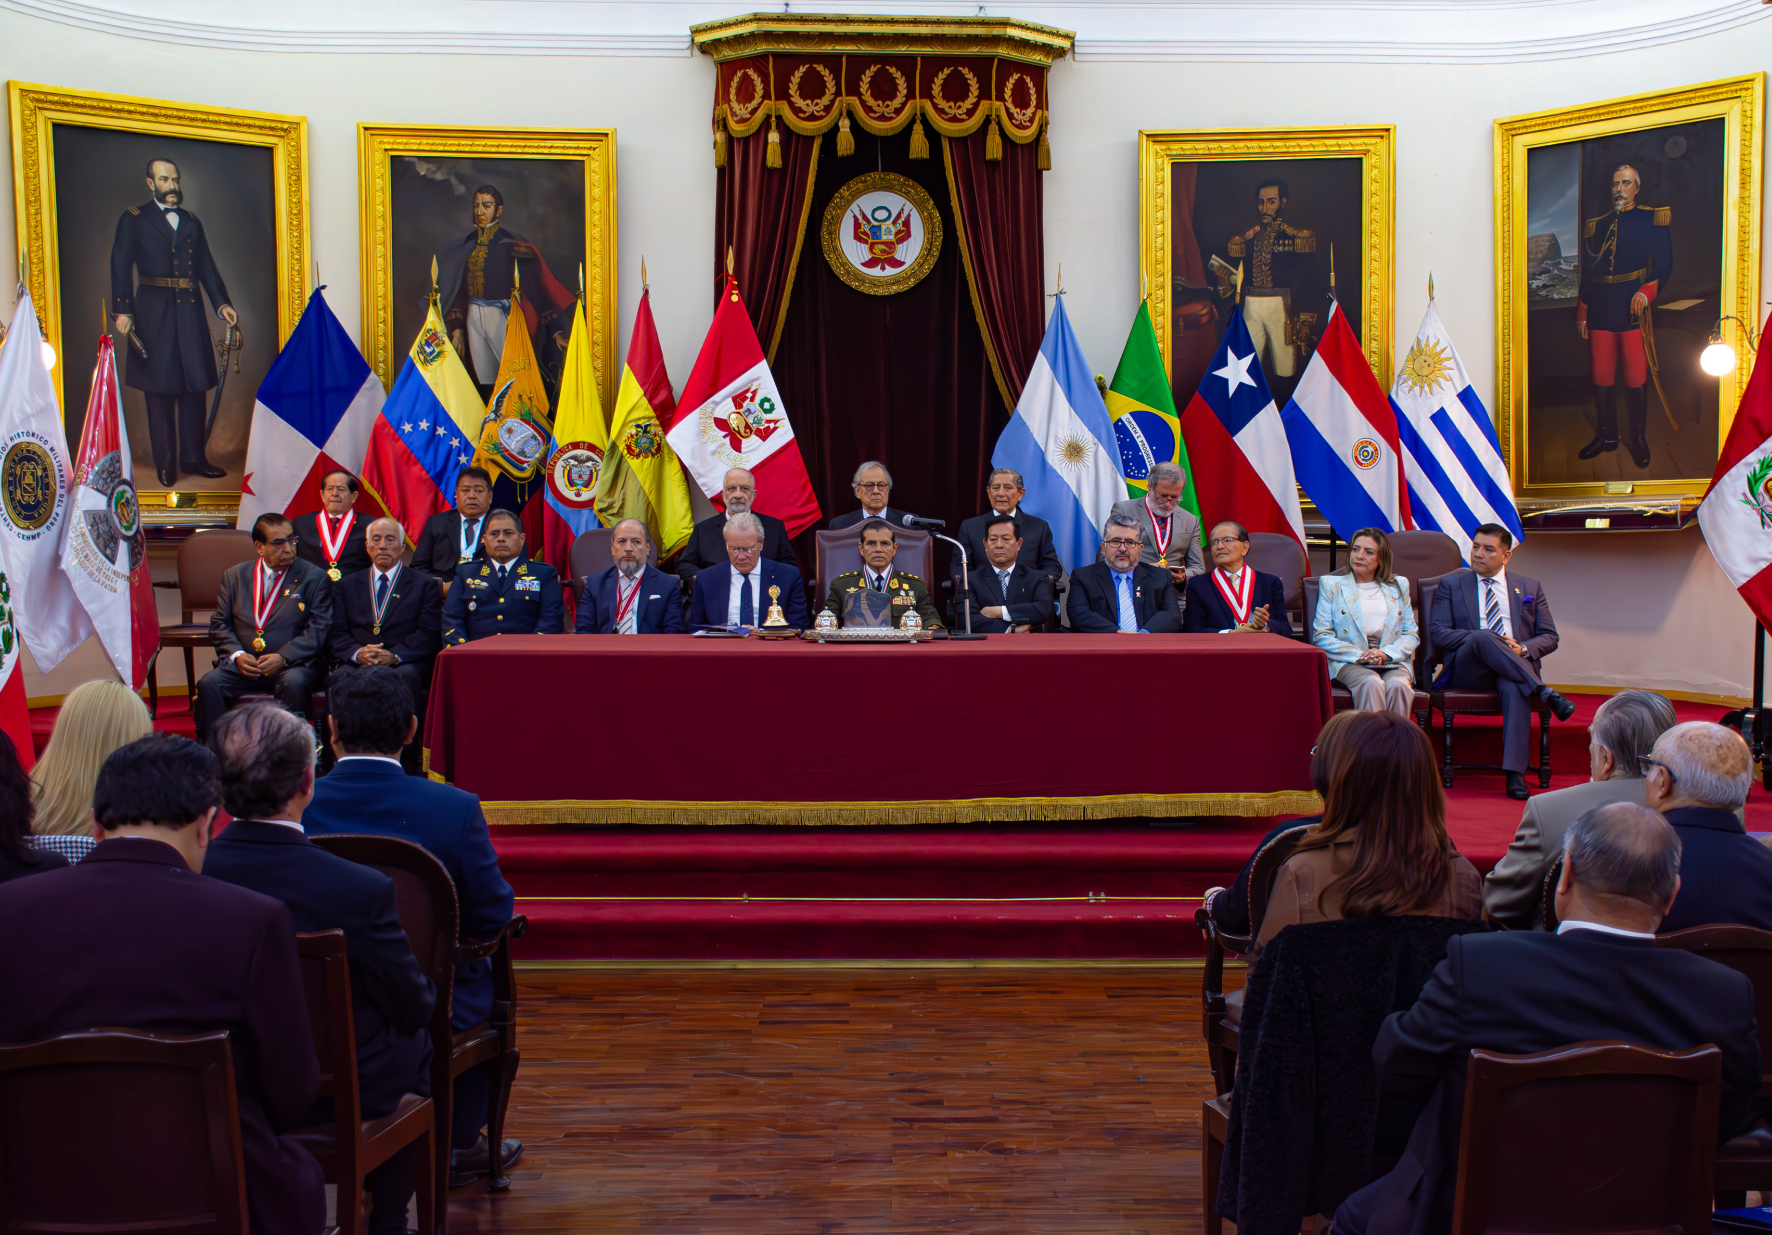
x=1622, y=733
x=1171, y=534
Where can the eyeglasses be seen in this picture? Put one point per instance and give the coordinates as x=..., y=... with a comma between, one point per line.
x=1123, y=542
x=1648, y=763
x=1225, y=540
x=874, y=484
x=284, y=542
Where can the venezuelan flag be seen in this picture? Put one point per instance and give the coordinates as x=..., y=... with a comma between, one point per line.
x=1143, y=410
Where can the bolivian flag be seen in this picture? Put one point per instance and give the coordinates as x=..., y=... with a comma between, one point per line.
x=575, y=460
x=642, y=478
x=1143, y=410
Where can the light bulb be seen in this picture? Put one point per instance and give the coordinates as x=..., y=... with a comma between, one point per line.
x=48, y=355
x=1718, y=359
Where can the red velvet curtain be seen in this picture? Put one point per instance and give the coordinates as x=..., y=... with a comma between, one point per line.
x=758, y=212
x=999, y=206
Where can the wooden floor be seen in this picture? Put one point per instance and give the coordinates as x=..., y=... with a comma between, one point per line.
x=855, y=1102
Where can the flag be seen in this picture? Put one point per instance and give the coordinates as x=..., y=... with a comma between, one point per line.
x=1736, y=513
x=104, y=550
x=1343, y=435
x=513, y=437
x=1451, y=456
x=427, y=432
x=40, y=604
x=731, y=415
x=313, y=415
x=641, y=477
x=575, y=457
x=1237, y=442
x=1143, y=409
x=1062, y=442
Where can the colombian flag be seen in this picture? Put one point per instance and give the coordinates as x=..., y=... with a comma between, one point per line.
x=427, y=432
x=575, y=459
x=1143, y=411
x=643, y=479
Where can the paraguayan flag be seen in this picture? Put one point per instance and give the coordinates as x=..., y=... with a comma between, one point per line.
x=1451, y=456
x=1061, y=440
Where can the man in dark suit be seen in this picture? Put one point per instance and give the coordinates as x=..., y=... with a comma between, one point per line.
x=272, y=617
x=707, y=543
x=737, y=591
x=1519, y=992
x=1007, y=595
x=1005, y=491
x=267, y=776
x=370, y=718
x=389, y=614
x=160, y=268
x=1699, y=775
x=507, y=594
x=454, y=537
x=630, y=598
x=873, y=486
x=334, y=537
x=142, y=941
x=1494, y=631
x=1233, y=597
x=1122, y=593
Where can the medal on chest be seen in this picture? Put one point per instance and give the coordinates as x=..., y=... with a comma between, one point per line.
x=332, y=548
x=379, y=609
x=1160, y=534
x=264, y=600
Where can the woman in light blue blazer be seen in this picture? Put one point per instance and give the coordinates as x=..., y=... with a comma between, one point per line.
x=1365, y=623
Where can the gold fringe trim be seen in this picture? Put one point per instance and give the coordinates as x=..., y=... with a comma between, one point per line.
x=787, y=294
x=772, y=156
x=984, y=329
x=919, y=140
x=845, y=139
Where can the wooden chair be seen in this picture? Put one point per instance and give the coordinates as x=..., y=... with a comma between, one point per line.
x=203, y=558
x=1341, y=696
x=1602, y=1137
x=839, y=552
x=1280, y=555
x=1452, y=702
x=154, y=1118
x=1552, y=878
x=591, y=553
x=1424, y=555
x=350, y=1147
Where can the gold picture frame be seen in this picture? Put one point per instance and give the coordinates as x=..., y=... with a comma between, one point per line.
x=379, y=144
x=831, y=233
x=35, y=111
x=1738, y=103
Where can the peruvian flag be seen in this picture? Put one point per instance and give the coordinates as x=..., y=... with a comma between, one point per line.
x=730, y=415
x=1736, y=513
x=104, y=550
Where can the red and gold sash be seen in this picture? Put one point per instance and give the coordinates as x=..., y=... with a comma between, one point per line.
x=331, y=547
x=1161, y=537
x=1242, y=599
x=264, y=603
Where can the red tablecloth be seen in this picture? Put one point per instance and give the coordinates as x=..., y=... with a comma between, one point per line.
x=673, y=729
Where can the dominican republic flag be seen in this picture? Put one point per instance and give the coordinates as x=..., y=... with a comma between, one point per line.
x=1451, y=456
x=314, y=412
x=1344, y=437
x=1736, y=513
x=1062, y=441
x=1237, y=446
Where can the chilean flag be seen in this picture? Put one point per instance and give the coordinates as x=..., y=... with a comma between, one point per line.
x=1736, y=513
x=315, y=409
x=1343, y=432
x=1236, y=443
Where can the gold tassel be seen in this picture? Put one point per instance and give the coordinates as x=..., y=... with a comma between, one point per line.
x=719, y=143
x=845, y=139
x=993, y=144
x=919, y=140
x=772, y=157
x=1043, y=153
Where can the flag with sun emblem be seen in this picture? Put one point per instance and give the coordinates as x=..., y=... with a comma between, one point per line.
x=1451, y=456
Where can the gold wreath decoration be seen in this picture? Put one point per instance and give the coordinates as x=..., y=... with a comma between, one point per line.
x=742, y=112
x=836, y=215
x=812, y=108
x=954, y=111
x=879, y=110
x=1021, y=117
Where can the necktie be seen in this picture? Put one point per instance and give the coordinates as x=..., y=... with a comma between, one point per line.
x=1128, y=611
x=629, y=623
x=381, y=592
x=1003, y=582
x=879, y=583
x=1491, y=607
x=501, y=576
x=747, y=615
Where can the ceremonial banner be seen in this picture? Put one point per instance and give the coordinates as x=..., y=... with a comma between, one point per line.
x=641, y=476
x=575, y=457
x=1736, y=513
x=514, y=436
x=1143, y=407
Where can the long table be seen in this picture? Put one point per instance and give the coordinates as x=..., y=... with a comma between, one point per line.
x=670, y=729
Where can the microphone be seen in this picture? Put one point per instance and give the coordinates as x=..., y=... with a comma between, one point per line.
x=926, y=525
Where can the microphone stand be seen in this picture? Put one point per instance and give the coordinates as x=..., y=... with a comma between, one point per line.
x=965, y=593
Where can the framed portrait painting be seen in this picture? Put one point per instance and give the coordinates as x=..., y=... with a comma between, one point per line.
x=498, y=211
x=183, y=231
x=1627, y=233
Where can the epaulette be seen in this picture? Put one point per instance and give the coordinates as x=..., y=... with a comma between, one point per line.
x=908, y=575
x=1236, y=246
x=1304, y=242
x=1663, y=215
x=1591, y=225
x=135, y=210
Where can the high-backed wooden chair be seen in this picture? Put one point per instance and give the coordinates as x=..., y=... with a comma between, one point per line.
x=591, y=553
x=1423, y=555
x=350, y=1147
x=153, y=1119
x=1452, y=702
x=1552, y=877
x=1596, y=1137
x=1343, y=697
x=839, y=552
x=1281, y=556
x=203, y=558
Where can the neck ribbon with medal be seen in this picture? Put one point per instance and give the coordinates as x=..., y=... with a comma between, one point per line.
x=1241, y=599
x=264, y=600
x=333, y=547
x=379, y=608
x=1160, y=535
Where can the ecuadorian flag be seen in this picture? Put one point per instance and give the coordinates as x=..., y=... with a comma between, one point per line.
x=1143, y=408
x=427, y=432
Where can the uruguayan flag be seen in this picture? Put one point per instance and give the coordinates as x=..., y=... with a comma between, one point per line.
x=1062, y=442
x=1451, y=456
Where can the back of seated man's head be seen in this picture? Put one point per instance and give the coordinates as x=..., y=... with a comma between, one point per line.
x=267, y=759
x=162, y=781
x=1625, y=728
x=371, y=712
x=1621, y=861
x=1708, y=764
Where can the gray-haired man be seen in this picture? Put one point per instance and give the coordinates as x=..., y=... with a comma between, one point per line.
x=873, y=488
x=1171, y=534
x=1698, y=777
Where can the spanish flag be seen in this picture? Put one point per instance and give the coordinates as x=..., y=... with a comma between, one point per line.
x=642, y=478
x=575, y=461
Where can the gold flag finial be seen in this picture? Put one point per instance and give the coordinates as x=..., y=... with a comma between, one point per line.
x=1332, y=270
x=643, y=283
x=728, y=262
x=516, y=281
x=1239, y=282
x=1061, y=278
x=1144, y=285
x=1430, y=286
x=433, y=278
x=581, y=280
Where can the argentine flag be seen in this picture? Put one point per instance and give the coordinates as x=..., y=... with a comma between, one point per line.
x=1062, y=442
x=1451, y=456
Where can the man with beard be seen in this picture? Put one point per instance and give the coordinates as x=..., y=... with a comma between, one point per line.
x=478, y=274
x=160, y=269
x=1282, y=298
x=707, y=543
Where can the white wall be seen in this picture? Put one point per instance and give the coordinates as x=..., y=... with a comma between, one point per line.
x=1642, y=609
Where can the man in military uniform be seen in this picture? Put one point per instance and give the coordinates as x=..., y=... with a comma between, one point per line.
x=504, y=594
x=905, y=592
x=160, y=268
x=1625, y=256
x=1282, y=291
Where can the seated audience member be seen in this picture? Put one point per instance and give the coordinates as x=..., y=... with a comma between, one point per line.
x=95, y=719
x=507, y=594
x=1004, y=491
x=1234, y=597
x=1698, y=777
x=456, y=537
x=905, y=592
x=18, y=857
x=272, y=617
x=873, y=486
x=707, y=544
x=1382, y=846
x=267, y=780
x=1008, y=595
x=334, y=537
x=1171, y=534
x=141, y=941
x=630, y=598
x=1493, y=630
x=1366, y=625
x=1121, y=593
x=1600, y=976
x=1620, y=736
x=370, y=719
x=388, y=615
x=736, y=592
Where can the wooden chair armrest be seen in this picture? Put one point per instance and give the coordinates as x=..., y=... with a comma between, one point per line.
x=480, y=949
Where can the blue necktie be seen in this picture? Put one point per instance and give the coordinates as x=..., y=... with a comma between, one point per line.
x=747, y=616
x=381, y=592
x=1128, y=610
x=1491, y=608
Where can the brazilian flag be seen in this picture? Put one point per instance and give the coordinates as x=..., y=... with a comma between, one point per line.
x=1143, y=411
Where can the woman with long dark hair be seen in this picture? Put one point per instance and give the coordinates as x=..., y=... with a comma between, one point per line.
x=18, y=857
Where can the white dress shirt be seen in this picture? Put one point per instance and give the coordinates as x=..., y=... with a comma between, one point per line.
x=1577, y=925
x=1501, y=598
x=470, y=544
x=171, y=217
x=868, y=576
x=754, y=581
x=284, y=823
x=343, y=758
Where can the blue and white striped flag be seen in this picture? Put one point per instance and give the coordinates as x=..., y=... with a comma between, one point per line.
x=1061, y=440
x=1451, y=456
